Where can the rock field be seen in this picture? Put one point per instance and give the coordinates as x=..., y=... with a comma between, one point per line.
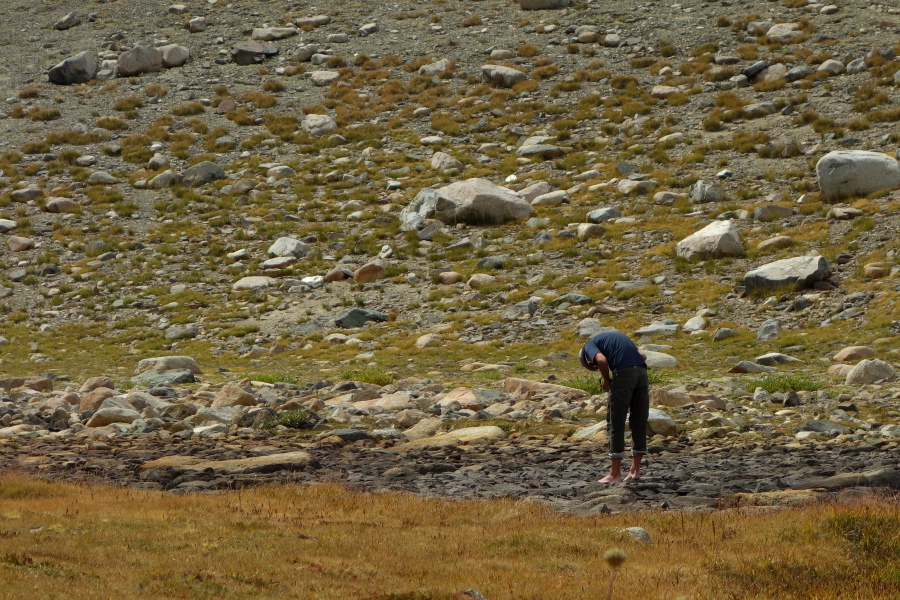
x=247, y=242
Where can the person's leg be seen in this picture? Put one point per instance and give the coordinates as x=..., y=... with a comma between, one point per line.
x=639, y=412
x=616, y=416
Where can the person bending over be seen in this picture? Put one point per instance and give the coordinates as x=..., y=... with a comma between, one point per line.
x=624, y=371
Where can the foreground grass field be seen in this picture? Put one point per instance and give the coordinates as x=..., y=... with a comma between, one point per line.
x=73, y=542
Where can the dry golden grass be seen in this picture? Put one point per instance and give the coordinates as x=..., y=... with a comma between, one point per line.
x=63, y=541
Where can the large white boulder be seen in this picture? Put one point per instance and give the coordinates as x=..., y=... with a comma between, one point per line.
x=719, y=238
x=870, y=371
x=849, y=173
x=288, y=246
x=802, y=271
x=503, y=76
x=318, y=125
x=473, y=201
x=140, y=59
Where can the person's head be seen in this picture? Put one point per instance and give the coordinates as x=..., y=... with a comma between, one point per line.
x=586, y=361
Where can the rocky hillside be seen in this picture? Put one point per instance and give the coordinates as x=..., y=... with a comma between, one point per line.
x=337, y=202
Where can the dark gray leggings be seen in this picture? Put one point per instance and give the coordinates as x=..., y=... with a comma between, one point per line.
x=629, y=398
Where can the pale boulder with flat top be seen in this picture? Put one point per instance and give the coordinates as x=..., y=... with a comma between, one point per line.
x=719, y=238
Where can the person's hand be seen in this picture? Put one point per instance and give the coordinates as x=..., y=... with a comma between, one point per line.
x=606, y=385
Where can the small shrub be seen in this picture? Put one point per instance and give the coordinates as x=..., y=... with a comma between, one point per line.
x=786, y=383
x=31, y=92
x=113, y=123
x=189, y=109
x=298, y=419
x=273, y=86
x=43, y=114
x=471, y=21
x=128, y=104
x=591, y=385
x=528, y=51
x=369, y=375
x=155, y=90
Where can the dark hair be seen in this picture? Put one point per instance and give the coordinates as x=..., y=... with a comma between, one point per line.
x=586, y=361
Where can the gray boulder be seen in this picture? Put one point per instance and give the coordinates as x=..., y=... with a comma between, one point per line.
x=823, y=427
x=202, y=173
x=174, y=55
x=166, y=363
x=503, y=76
x=769, y=330
x=849, y=173
x=288, y=246
x=303, y=53
x=667, y=327
x=80, y=68
x=252, y=52
x=358, y=317
x=660, y=423
x=870, y=371
x=719, y=238
x=473, y=201
x=702, y=192
x=318, y=125
x=802, y=271
x=601, y=215
x=139, y=59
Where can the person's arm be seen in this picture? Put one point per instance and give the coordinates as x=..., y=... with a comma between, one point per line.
x=603, y=367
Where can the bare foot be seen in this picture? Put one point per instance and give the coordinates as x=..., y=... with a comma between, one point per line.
x=610, y=479
x=632, y=477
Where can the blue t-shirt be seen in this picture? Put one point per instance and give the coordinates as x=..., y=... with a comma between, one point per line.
x=619, y=350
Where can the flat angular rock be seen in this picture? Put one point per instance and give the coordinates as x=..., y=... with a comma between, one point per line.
x=434, y=69
x=303, y=53
x=666, y=327
x=853, y=353
x=269, y=34
x=358, y=317
x=36, y=383
x=318, y=125
x=784, y=33
x=233, y=395
x=769, y=330
x=288, y=246
x=779, y=241
x=772, y=212
x=660, y=360
x=165, y=378
x=601, y=215
x=544, y=151
x=80, y=68
x=314, y=21
x=61, y=205
x=851, y=173
x=324, y=78
x=166, y=179
x=369, y=273
x=140, y=59
x=6, y=225
x=802, y=271
x=870, y=371
x=745, y=366
x=506, y=77
x=252, y=52
x=19, y=244
x=443, y=161
x=473, y=201
x=457, y=436
x=286, y=461
x=775, y=358
x=166, y=363
x=554, y=198
x=106, y=416
x=202, y=173
x=67, y=22
x=525, y=388
x=254, y=283
x=719, y=238
x=884, y=477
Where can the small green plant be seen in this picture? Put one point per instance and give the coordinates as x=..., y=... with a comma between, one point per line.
x=298, y=419
x=786, y=383
x=369, y=375
x=591, y=385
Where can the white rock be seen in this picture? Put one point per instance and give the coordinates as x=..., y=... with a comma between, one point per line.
x=719, y=238
x=849, y=173
x=503, y=76
x=288, y=246
x=254, y=283
x=869, y=371
x=318, y=125
x=660, y=423
x=801, y=271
